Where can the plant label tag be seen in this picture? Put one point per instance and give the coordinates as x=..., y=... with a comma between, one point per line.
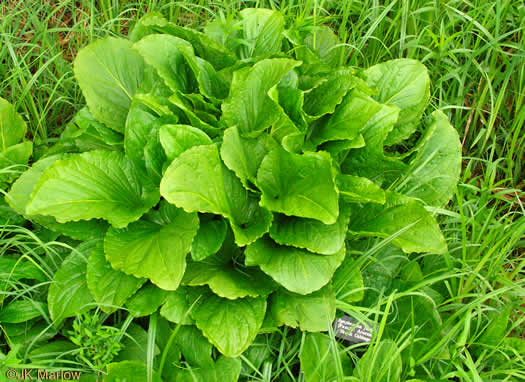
x=349, y=329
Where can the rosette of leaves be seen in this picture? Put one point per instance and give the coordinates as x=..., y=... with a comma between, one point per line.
x=222, y=172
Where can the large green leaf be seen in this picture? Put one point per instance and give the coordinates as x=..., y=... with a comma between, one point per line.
x=370, y=161
x=22, y=310
x=20, y=195
x=299, y=185
x=109, y=73
x=327, y=46
x=13, y=161
x=263, y=30
x=403, y=83
x=146, y=301
x=110, y=288
x=419, y=309
x=175, y=139
x=209, y=238
x=248, y=106
x=14, y=154
x=68, y=293
x=323, y=359
x=311, y=234
x=434, y=172
x=230, y=325
x=348, y=119
x=356, y=189
x=95, y=184
x=12, y=126
x=164, y=53
x=378, y=274
x=405, y=220
x=194, y=347
x=177, y=308
x=297, y=270
x=227, y=280
x=313, y=312
x=154, y=247
x=324, y=98
x=42, y=353
x=496, y=330
x=198, y=181
x=244, y=155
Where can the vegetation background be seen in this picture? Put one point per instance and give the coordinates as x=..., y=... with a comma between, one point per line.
x=475, y=54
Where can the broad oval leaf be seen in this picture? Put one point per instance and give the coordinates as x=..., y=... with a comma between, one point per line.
x=324, y=42
x=205, y=47
x=20, y=195
x=263, y=30
x=86, y=133
x=68, y=293
x=243, y=155
x=109, y=73
x=153, y=249
x=12, y=127
x=348, y=119
x=248, y=106
x=142, y=138
x=230, y=325
x=164, y=53
x=324, y=98
x=146, y=301
x=175, y=139
x=403, y=83
x=22, y=310
x=228, y=281
x=434, y=172
x=356, y=189
x=370, y=161
x=176, y=308
x=299, y=185
x=311, y=234
x=194, y=347
x=95, y=184
x=297, y=270
x=110, y=288
x=209, y=238
x=313, y=312
x=13, y=161
x=405, y=220
x=225, y=369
